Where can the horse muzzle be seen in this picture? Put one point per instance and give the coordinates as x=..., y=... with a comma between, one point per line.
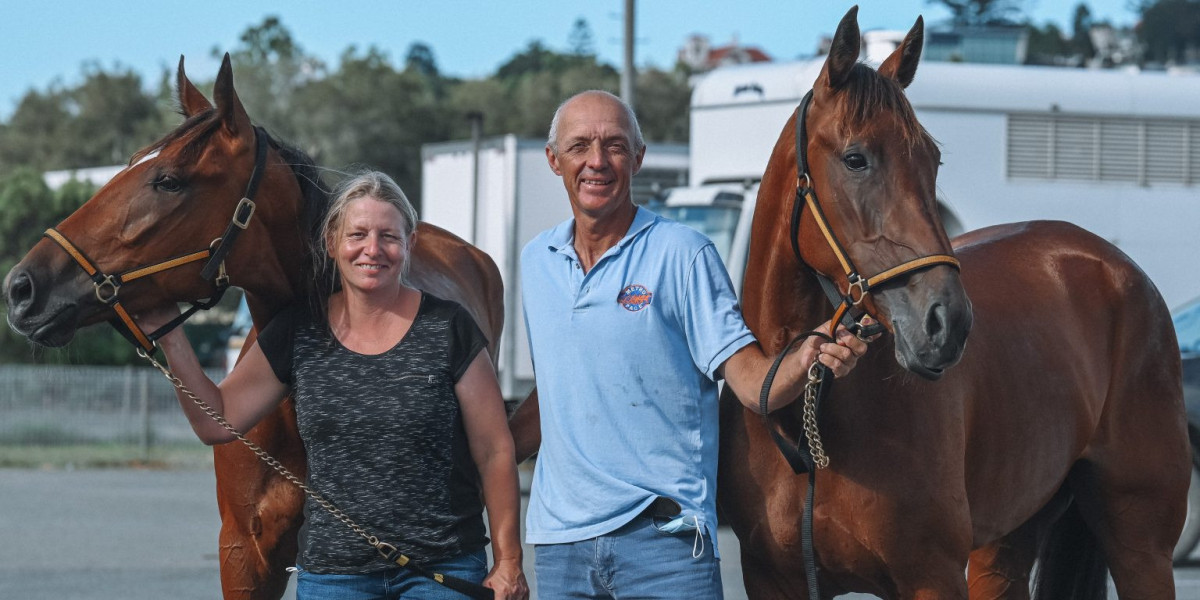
x=42, y=310
x=931, y=318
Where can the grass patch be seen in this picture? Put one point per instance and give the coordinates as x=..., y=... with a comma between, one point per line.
x=98, y=456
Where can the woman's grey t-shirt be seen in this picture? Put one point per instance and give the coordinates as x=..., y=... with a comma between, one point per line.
x=384, y=438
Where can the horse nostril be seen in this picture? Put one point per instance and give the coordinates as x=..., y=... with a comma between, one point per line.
x=20, y=293
x=935, y=321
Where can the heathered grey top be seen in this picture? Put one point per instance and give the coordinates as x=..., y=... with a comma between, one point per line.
x=384, y=437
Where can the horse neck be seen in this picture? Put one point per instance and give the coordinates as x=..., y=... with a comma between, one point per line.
x=275, y=271
x=785, y=297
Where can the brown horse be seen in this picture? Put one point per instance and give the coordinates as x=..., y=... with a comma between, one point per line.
x=1062, y=422
x=174, y=199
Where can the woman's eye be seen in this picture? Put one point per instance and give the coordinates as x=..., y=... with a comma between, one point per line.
x=168, y=184
x=855, y=161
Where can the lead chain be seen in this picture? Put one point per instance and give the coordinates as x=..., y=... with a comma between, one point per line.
x=262, y=454
x=810, y=417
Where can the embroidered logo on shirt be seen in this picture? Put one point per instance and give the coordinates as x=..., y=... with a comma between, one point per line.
x=635, y=297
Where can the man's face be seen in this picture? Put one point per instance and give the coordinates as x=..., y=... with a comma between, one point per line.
x=596, y=157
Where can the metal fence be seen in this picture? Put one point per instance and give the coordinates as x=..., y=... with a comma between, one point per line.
x=63, y=405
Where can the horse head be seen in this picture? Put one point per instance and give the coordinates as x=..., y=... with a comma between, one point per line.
x=175, y=200
x=872, y=225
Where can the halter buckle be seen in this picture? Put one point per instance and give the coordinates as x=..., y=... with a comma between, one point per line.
x=239, y=220
x=856, y=282
x=109, y=283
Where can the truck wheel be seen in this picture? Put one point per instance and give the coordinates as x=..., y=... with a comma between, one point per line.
x=1191, y=526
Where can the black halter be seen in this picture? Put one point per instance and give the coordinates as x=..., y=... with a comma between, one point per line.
x=108, y=286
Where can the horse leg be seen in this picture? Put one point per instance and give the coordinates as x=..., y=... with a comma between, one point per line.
x=764, y=581
x=261, y=512
x=1135, y=510
x=1000, y=570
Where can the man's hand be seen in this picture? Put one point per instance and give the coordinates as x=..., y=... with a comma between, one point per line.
x=840, y=356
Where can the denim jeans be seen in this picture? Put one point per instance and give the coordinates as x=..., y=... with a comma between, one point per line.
x=635, y=561
x=393, y=583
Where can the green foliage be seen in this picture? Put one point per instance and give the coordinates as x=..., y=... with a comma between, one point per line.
x=1170, y=30
x=1047, y=46
x=981, y=12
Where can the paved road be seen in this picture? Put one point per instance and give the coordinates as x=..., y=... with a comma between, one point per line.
x=148, y=535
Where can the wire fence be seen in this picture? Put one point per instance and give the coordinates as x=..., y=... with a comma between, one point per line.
x=74, y=405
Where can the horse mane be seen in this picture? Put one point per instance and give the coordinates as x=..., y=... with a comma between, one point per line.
x=868, y=94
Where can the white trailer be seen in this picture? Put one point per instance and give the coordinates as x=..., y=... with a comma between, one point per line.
x=1116, y=152
x=515, y=197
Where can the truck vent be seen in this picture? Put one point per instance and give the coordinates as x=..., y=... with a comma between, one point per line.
x=1082, y=148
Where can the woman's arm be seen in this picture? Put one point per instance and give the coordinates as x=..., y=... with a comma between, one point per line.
x=243, y=398
x=492, y=449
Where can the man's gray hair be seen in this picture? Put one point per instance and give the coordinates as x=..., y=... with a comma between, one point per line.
x=637, y=141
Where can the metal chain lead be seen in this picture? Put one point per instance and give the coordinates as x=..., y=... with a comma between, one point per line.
x=262, y=454
x=810, y=417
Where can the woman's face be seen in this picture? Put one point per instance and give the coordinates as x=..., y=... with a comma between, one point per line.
x=371, y=245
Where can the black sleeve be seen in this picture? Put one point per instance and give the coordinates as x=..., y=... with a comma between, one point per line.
x=275, y=340
x=465, y=343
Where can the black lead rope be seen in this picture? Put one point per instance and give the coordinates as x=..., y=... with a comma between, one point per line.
x=797, y=454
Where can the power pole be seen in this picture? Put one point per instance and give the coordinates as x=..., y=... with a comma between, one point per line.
x=628, y=75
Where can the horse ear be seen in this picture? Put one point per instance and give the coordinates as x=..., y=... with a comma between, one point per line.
x=191, y=101
x=902, y=64
x=233, y=114
x=843, y=52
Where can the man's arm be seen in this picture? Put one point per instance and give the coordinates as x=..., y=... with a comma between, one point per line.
x=745, y=371
x=526, y=427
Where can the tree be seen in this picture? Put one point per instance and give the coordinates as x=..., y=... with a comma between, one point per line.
x=371, y=114
x=269, y=67
x=1170, y=30
x=664, y=99
x=103, y=121
x=981, y=12
x=580, y=38
x=420, y=59
x=1047, y=46
x=1081, y=27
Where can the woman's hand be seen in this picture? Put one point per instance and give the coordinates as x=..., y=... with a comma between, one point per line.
x=507, y=580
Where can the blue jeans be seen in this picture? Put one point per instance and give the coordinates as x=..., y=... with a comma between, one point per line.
x=635, y=561
x=393, y=583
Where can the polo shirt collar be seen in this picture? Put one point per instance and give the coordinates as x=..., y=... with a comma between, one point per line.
x=562, y=238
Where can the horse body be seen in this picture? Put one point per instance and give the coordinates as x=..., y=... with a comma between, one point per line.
x=1063, y=415
x=176, y=199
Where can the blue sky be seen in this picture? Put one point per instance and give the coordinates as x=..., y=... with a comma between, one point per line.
x=49, y=41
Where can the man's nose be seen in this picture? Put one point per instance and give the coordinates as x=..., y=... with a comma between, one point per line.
x=596, y=158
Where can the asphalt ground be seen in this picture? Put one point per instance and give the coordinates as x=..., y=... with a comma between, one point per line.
x=127, y=534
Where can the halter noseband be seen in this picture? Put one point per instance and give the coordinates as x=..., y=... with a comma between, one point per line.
x=108, y=286
x=858, y=286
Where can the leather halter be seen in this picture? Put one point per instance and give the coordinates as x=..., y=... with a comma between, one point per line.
x=108, y=286
x=858, y=286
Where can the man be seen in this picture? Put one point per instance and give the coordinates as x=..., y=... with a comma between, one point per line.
x=631, y=319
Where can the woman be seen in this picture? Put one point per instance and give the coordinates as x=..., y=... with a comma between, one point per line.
x=398, y=408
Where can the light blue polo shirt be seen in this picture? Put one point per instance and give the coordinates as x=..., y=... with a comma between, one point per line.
x=624, y=358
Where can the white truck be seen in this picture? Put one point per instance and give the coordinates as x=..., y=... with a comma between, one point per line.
x=1116, y=152
x=513, y=197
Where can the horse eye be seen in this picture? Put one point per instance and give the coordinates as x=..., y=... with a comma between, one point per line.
x=855, y=161
x=168, y=184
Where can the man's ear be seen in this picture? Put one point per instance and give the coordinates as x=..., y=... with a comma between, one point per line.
x=552, y=158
